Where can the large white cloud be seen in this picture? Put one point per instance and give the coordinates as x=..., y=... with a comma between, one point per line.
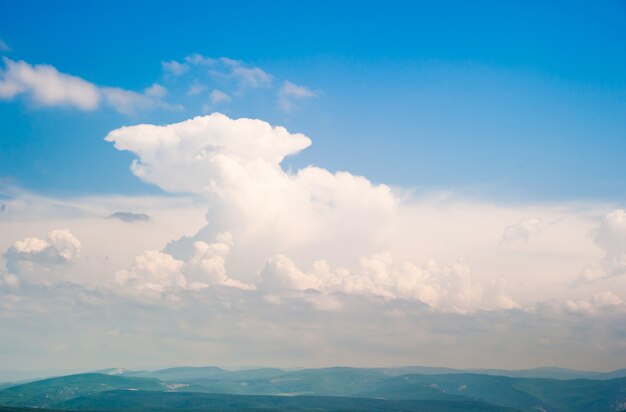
x=311, y=229
x=235, y=164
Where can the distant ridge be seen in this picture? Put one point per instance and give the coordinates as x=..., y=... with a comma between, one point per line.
x=188, y=372
x=309, y=389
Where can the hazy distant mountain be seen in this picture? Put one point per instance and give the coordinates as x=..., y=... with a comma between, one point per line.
x=189, y=373
x=546, y=372
x=19, y=376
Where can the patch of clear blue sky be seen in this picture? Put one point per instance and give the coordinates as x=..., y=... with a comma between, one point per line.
x=517, y=100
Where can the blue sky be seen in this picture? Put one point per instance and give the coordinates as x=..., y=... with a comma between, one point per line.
x=449, y=172
x=517, y=101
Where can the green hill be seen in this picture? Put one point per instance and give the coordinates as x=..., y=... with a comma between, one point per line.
x=548, y=395
x=44, y=393
x=185, y=401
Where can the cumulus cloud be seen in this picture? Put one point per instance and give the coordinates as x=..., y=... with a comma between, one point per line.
x=32, y=254
x=278, y=217
x=307, y=258
x=440, y=287
x=610, y=236
x=153, y=272
x=158, y=272
x=289, y=92
x=206, y=154
x=310, y=231
x=46, y=85
x=207, y=266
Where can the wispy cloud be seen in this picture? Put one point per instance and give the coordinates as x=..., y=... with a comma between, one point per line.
x=218, y=96
x=4, y=47
x=175, y=68
x=289, y=92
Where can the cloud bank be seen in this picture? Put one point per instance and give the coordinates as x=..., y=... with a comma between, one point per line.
x=311, y=229
x=244, y=253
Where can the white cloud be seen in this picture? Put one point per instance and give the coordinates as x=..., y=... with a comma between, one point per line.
x=198, y=59
x=46, y=86
x=175, y=67
x=247, y=77
x=289, y=92
x=156, y=273
x=610, y=236
x=152, y=272
x=218, y=96
x=522, y=231
x=355, y=237
x=126, y=101
x=280, y=272
x=207, y=266
x=205, y=154
x=156, y=90
x=32, y=255
x=107, y=244
x=606, y=298
x=224, y=68
x=195, y=89
x=328, y=260
x=251, y=77
x=440, y=287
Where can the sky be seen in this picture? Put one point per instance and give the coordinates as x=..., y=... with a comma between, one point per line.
x=305, y=185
